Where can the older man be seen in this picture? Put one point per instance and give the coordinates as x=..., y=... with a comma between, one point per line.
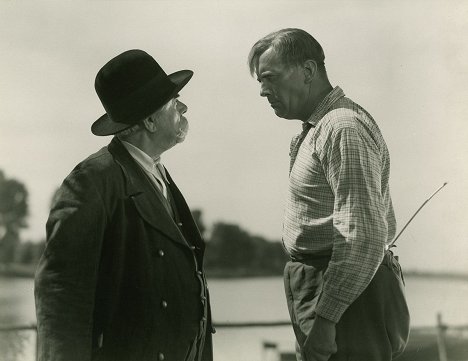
x=121, y=277
x=345, y=293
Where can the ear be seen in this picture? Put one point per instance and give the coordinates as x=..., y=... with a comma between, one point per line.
x=150, y=124
x=310, y=70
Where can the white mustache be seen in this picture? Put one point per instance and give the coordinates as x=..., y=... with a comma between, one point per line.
x=183, y=130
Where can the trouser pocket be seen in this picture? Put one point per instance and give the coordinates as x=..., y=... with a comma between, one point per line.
x=303, y=285
x=397, y=315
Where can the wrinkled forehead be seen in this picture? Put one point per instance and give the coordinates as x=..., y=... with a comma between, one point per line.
x=270, y=60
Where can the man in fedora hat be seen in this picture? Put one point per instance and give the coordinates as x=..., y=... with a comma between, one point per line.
x=121, y=277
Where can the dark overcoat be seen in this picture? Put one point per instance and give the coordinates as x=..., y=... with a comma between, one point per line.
x=119, y=278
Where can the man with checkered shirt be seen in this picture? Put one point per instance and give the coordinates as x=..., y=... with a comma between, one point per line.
x=344, y=289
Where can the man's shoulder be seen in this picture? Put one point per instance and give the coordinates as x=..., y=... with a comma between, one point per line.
x=102, y=159
x=97, y=179
x=99, y=165
x=344, y=114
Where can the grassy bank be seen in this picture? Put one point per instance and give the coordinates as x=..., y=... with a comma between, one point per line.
x=423, y=346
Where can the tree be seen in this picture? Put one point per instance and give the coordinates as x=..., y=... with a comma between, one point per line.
x=270, y=257
x=230, y=247
x=13, y=213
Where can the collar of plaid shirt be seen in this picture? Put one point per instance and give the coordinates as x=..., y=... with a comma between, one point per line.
x=323, y=107
x=316, y=115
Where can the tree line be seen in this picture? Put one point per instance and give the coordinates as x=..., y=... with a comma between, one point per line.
x=231, y=251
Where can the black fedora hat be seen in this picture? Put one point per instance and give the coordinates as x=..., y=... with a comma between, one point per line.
x=131, y=87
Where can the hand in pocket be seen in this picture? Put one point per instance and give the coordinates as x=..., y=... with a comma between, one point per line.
x=320, y=344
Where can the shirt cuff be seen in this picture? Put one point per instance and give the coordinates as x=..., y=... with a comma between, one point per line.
x=330, y=308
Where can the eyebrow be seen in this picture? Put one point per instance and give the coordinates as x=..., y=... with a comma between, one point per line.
x=264, y=74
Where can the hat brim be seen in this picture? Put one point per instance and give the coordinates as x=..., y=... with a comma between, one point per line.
x=106, y=126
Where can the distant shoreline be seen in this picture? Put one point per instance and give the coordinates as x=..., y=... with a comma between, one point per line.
x=17, y=270
x=27, y=271
x=438, y=275
x=223, y=274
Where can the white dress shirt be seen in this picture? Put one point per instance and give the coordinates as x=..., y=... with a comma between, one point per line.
x=152, y=167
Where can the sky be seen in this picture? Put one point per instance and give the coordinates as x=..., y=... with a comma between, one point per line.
x=403, y=61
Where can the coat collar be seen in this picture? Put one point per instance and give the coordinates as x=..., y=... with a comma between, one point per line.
x=147, y=200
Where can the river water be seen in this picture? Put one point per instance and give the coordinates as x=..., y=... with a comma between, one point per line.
x=257, y=299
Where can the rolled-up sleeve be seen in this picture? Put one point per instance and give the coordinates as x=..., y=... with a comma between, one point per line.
x=352, y=166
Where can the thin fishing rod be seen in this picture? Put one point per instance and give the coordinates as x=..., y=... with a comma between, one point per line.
x=414, y=215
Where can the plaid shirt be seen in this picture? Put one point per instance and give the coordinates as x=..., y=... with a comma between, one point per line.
x=339, y=200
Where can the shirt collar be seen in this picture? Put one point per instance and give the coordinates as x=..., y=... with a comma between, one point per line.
x=323, y=107
x=149, y=164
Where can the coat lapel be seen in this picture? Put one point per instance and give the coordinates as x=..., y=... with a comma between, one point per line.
x=147, y=199
x=186, y=216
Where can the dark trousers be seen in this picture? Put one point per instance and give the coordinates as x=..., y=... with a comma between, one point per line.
x=375, y=327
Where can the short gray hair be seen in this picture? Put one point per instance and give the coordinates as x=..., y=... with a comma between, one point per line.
x=124, y=134
x=294, y=46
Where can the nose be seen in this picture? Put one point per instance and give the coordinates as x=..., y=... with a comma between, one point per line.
x=264, y=91
x=181, y=107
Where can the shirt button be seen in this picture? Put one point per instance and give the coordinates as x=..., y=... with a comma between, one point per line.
x=164, y=304
x=160, y=356
x=161, y=253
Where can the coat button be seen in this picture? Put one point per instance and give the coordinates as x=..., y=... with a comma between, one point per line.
x=213, y=330
x=192, y=248
x=179, y=224
x=161, y=253
x=164, y=304
x=199, y=272
x=160, y=356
